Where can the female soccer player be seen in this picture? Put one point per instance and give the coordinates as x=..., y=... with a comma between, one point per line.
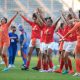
x=13, y=46
x=48, y=30
x=77, y=49
x=35, y=36
x=23, y=45
x=4, y=38
x=68, y=46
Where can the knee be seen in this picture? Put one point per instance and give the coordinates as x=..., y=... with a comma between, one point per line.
x=3, y=55
x=29, y=54
x=50, y=51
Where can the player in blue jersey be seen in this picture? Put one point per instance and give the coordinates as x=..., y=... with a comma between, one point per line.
x=24, y=42
x=13, y=46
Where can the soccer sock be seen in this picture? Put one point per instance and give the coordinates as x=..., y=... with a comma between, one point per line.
x=69, y=63
x=24, y=60
x=39, y=64
x=50, y=64
x=27, y=64
x=66, y=66
x=61, y=64
x=4, y=56
x=45, y=66
x=78, y=65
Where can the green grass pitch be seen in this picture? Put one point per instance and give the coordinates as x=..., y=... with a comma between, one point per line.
x=17, y=74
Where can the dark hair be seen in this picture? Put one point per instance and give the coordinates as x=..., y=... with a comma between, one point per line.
x=62, y=24
x=34, y=15
x=70, y=16
x=49, y=18
x=5, y=19
x=13, y=26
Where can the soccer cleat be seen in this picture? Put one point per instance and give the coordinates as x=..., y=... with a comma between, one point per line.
x=71, y=72
x=50, y=70
x=65, y=72
x=58, y=71
x=24, y=68
x=13, y=66
x=5, y=69
x=76, y=74
x=10, y=66
x=35, y=68
x=41, y=70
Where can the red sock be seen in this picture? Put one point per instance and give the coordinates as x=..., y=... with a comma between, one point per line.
x=66, y=66
x=4, y=56
x=27, y=64
x=77, y=65
x=45, y=66
x=61, y=64
x=69, y=63
x=50, y=64
x=39, y=64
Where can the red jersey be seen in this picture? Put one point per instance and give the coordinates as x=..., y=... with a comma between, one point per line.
x=48, y=32
x=61, y=31
x=42, y=39
x=71, y=37
x=77, y=29
x=36, y=30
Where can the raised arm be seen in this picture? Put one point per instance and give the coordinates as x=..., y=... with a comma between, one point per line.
x=63, y=18
x=55, y=24
x=41, y=16
x=72, y=13
x=59, y=35
x=28, y=21
x=8, y=24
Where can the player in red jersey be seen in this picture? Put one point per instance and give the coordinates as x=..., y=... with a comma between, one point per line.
x=77, y=48
x=48, y=42
x=60, y=32
x=35, y=37
x=69, y=45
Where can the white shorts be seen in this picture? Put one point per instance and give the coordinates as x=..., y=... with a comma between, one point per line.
x=65, y=45
x=70, y=46
x=37, y=43
x=47, y=46
x=42, y=44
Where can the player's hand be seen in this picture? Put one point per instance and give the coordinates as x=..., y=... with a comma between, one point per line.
x=62, y=39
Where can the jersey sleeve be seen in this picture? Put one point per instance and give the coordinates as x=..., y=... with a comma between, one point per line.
x=8, y=24
x=28, y=21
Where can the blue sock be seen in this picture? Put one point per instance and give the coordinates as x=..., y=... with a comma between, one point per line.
x=24, y=60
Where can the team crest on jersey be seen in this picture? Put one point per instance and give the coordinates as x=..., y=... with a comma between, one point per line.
x=35, y=28
x=47, y=31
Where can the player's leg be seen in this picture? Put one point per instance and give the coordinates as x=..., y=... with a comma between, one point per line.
x=4, y=55
x=50, y=60
x=14, y=55
x=29, y=56
x=77, y=60
x=10, y=50
x=24, y=57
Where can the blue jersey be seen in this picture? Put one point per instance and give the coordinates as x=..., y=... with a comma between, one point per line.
x=22, y=37
x=13, y=38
